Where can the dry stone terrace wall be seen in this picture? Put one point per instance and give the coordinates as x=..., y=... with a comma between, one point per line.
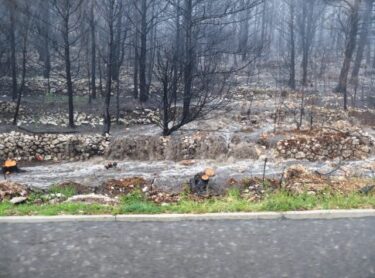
x=22, y=146
x=326, y=146
x=138, y=116
x=147, y=148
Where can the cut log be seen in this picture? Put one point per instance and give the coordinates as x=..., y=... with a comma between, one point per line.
x=199, y=183
x=209, y=172
x=10, y=163
x=8, y=167
x=205, y=177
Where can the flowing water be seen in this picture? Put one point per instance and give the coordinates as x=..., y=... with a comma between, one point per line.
x=168, y=174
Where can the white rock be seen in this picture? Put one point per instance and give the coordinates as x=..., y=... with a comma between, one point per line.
x=18, y=200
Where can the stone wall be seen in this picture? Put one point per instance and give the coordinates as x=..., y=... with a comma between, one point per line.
x=324, y=145
x=51, y=146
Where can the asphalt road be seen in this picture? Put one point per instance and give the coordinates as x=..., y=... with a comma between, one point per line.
x=234, y=248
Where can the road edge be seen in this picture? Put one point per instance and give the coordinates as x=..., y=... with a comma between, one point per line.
x=291, y=215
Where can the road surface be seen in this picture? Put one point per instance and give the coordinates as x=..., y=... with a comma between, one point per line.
x=226, y=248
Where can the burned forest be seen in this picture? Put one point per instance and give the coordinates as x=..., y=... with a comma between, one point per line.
x=162, y=98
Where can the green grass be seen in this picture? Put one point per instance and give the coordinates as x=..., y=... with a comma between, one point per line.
x=135, y=203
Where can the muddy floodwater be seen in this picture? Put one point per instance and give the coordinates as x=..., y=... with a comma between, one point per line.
x=172, y=175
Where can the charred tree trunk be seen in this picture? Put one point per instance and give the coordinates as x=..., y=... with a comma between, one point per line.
x=165, y=108
x=143, y=93
x=93, y=51
x=264, y=28
x=152, y=47
x=292, y=70
x=136, y=63
x=307, y=37
x=68, y=73
x=24, y=33
x=108, y=89
x=362, y=40
x=118, y=101
x=188, y=60
x=244, y=32
x=350, y=46
x=117, y=50
x=46, y=26
x=177, y=53
x=12, y=41
x=22, y=86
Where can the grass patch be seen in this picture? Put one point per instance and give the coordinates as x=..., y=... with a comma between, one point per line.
x=135, y=203
x=283, y=201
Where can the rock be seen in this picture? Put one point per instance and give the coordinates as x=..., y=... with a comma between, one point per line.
x=300, y=155
x=54, y=198
x=93, y=199
x=48, y=157
x=347, y=154
x=18, y=200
